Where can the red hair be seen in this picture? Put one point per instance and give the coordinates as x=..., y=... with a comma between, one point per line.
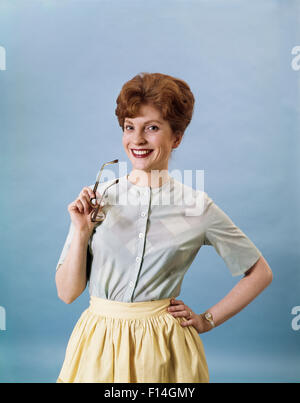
x=171, y=96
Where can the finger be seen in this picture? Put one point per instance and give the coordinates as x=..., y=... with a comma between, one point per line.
x=187, y=323
x=87, y=193
x=92, y=195
x=72, y=207
x=176, y=302
x=184, y=313
x=95, y=205
x=90, y=191
x=79, y=205
x=85, y=200
x=176, y=308
x=86, y=207
x=95, y=200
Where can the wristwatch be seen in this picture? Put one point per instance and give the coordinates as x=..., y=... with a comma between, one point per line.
x=208, y=316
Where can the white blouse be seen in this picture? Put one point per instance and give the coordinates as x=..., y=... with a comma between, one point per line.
x=150, y=237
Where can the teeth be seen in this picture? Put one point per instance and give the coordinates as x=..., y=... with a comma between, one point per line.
x=141, y=152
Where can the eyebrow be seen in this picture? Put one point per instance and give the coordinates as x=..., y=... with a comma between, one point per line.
x=149, y=121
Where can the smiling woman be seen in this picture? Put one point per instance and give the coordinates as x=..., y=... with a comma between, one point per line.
x=134, y=329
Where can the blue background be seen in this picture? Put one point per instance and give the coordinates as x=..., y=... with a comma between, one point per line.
x=66, y=62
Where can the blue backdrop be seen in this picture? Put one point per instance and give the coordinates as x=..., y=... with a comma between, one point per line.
x=65, y=63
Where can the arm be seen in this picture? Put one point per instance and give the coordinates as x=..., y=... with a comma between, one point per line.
x=70, y=277
x=256, y=279
x=237, y=251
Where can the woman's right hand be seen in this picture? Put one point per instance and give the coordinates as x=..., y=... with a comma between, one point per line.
x=80, y=211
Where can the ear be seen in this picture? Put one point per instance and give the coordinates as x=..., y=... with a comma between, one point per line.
x=177, y=139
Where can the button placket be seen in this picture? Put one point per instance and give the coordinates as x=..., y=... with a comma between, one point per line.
x=141, y=231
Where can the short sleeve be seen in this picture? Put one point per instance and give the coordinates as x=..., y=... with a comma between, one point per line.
x=66, y=249
x=236, y=249
x=66, y=246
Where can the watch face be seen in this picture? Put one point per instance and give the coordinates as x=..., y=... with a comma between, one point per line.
x=208, y=315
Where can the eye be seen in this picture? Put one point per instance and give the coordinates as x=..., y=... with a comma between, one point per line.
x=127, y=127
x=153, y=126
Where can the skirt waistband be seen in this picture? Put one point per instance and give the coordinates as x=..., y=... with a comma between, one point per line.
x=129, y=310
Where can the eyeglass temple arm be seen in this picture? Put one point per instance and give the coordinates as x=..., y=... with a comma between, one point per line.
x=95, y=212
x=99, y=175
x=114, y=183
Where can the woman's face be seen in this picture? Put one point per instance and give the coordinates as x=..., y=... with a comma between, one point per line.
x=151, y=133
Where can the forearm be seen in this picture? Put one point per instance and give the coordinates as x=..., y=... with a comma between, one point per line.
x=245, y=291
x=71, y=275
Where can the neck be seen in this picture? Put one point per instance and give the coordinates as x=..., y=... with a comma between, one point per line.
x=155, y=178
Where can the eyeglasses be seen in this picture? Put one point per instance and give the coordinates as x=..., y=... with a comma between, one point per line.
x=96, y=216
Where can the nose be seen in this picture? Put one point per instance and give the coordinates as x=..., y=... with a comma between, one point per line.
x=138, y=137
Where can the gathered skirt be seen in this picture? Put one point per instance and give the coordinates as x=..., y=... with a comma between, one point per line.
x=123, y=342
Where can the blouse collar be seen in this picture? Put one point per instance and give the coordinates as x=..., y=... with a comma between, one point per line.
x=166, y=186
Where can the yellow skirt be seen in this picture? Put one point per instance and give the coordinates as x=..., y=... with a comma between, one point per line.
x=126, y=342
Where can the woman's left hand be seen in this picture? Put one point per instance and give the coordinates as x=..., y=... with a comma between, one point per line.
x=179, y=309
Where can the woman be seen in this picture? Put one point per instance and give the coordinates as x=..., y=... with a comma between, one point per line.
x=135, y=330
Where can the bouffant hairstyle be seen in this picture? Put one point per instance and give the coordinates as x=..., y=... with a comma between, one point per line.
x=171, y=96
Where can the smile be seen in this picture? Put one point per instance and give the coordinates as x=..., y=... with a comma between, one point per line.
x=141, y=153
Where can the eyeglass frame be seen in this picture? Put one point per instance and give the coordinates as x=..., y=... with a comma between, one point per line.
x=94, y=215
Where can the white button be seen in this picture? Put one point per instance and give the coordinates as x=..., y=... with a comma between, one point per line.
x=143, y=213
x=131, y=284
x=141, y=235
x=138, y=259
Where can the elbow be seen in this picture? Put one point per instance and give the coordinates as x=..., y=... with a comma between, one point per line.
x=63, y=295
x=66, y=292
x=266, y=272
x=261, y=272
x=67, y=299
x=269, y=275
x=68, y=296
